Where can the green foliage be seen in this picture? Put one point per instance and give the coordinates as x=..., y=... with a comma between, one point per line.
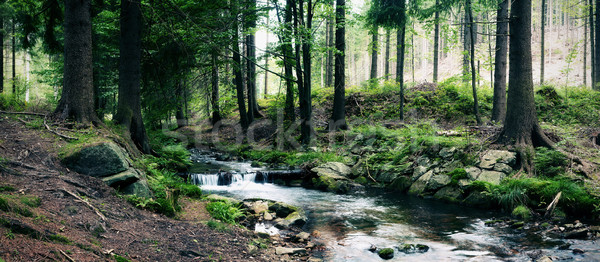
x=550, y=163
x=581, y=108
x=160, y=205
x=18, y=204
x=6, y=188
x=58, y=238
x=522, y=212
x=120, y=259
x=385, y=252
x=10, y=235
x=457, y=174
x=10, y=102
x=290, y=158
x=31, y=201
x=224, y=211
x=173, y=157
x=217, y=225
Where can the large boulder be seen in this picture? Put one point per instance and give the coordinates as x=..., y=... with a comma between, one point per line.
x=418, y=172
x=438, y=181
x=473, y=172
x=419, y=186
x=333, y=176
x=98, y=160
x=490, y=158
x=112, y=164
x=449, y=193
x=492, y=177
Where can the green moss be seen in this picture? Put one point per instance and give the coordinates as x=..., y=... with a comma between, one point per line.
x=59, y=239
x=6, y=188
x=522, y=212
x=550, y=163
x=386, y=253
x=31, y=201
x=457, y=174
x=361, y=180
x=217, y=225
x=120, y=259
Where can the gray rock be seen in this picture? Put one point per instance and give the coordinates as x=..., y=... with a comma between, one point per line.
x=463, y=183
x=302, y=236
x=497, y=156
x=358, y=169
x=438, y=181
x=122, y=179
x=297, y=218
x=267, y=216
x=289, y=251
x=473, y=172
x=333, y=169
x=387, y=177
x=544, y=259
x=424, y=161
x=492, y=177
x=447, y=153
x=448, y=193
x=581, y=233
x=98, y=160
x=418, y=187
x=478, y=199
x=257, y=207
x=419, y=171
x=282, y=209
x=504, y=168
x=139, y=188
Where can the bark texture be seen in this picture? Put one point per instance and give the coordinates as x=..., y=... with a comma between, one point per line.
x=501, y=57
x=521, y=127
x=214, y=99
x=374, y=49
x=77, y=99
x=436, y=43
x=129, y=112
x=338, y=119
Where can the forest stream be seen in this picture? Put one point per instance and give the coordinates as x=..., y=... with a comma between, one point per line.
x=350, y=224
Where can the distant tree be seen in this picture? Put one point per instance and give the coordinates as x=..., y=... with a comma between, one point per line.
x=596, y=57
x=374, y=50
x=338, y=119
x=436, y=42
x=542, y=42
x=237, y=67
x=216, y=112
x=521, y=127
x=77, y=100
x=129, y=112
x=472, y=35
x=387, y=54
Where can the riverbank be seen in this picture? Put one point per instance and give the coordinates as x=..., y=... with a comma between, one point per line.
x=51, y=212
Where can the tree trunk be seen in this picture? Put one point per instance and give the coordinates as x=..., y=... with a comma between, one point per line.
x=330, y=45
x=472, y=32
x=338, y=119
x=374, y=49
x=290, y=114
x=237, y=69
x=466, y=46
x=521, y=127
x=592, y=41
x=585, y=41
x=542, y=42
x=14, y=59
x=253, y=111
x=306, y=126
x=436, y=43
x=77, y=100
x=499, y=100
x=400, y=46
x=129, y=112
x=214, y=100
x=597, y=47
x=387, y=54
x=1, y=55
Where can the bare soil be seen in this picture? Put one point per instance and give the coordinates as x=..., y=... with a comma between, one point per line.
x=82, y=219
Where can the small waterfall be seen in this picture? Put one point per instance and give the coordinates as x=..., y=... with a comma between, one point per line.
x=222, y=179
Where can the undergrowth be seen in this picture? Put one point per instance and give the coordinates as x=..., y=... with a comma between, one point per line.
x=224, y=211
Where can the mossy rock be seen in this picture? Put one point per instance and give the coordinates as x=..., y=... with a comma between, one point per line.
x=386, y=253
x=98, y=160
x=401, y=183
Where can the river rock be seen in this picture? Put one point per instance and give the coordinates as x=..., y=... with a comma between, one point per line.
x=497, y=156
x=302, y=237
x=447, y=153
x=448, y=193
x=581, y=233
x=424, y=161
x=473, y=172
x=438, y=181
x=257, y=207
x=410, y=248
x=98, y=160
x=386, y=253
x=418, y=172
x=477, y=199
x=401, y=183
x=333, y=169
x=297, y=218
x=282, y=209
x=418, y=187
x=492, y=177
x=267, y=216
x=289, y=251
x=504, y=168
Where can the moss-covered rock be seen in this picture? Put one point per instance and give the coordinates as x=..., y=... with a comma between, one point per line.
x=419, y=186
x=450, y=194
x=401, y=183
x=386, y=253
x=98, y=160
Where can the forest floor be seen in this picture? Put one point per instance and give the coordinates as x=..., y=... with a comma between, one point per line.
x=48, y=212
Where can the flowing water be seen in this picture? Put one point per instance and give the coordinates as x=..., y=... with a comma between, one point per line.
x=350, y=224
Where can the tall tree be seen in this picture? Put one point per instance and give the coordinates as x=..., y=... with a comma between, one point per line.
x=250, y=25
x=436, y=41
x=499, y=100
x=387, y=54
x=14, y=58
x=338, y=119
x=77, y=100
x=129, y=112
x=592, y=41
x=374, y=50
x=237, y=68
x=329, y=68
x=521, y=127
x=596, y=57
x=306, y=124
x=542, y=42
x=472, y=35
x=216, y=112
x=2, y=51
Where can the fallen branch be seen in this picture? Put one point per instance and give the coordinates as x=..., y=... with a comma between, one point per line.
x=58, y=134
x=67, y=256
x=552, y=205
x=22, y=113
x=85, y=202
x=369, y=173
